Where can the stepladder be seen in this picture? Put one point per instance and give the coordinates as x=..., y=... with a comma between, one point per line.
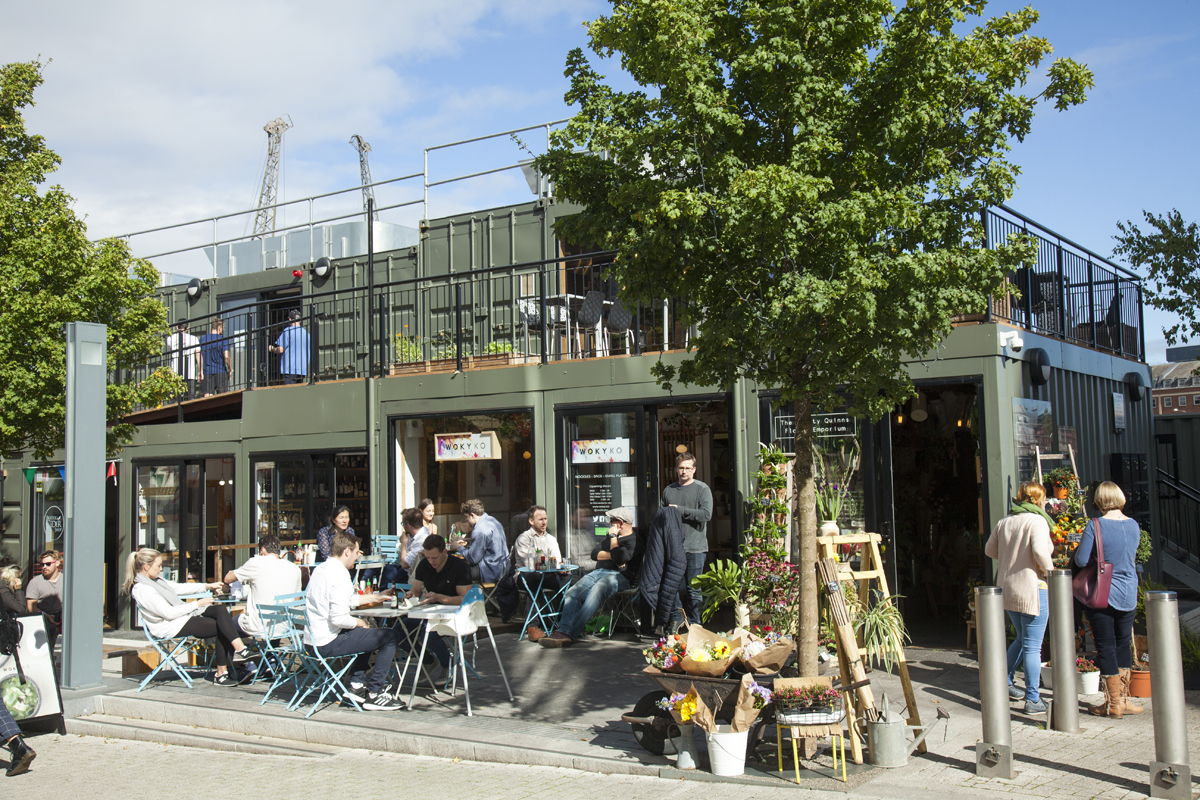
x=870, y=580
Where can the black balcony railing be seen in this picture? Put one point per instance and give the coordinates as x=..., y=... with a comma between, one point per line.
x=1070, y=293
x=538, y=312
x=1179, y=519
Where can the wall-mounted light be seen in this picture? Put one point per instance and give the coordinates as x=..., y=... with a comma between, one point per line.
x=322, y=267
x=899, y=419
x=297, y=273
x=960, y=423
x=194, y=288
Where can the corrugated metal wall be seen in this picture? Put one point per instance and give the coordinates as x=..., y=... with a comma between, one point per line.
x=1186, y=430
x=1085, y=403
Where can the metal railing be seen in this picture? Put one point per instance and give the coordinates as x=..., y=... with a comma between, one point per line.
x=1070, y=293
x=1179, y=518
x=536, y=312
x=316, y=217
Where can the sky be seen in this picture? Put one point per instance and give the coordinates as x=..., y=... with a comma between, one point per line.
x=157, y=109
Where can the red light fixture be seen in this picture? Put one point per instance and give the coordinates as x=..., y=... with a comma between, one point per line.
x=297, y=273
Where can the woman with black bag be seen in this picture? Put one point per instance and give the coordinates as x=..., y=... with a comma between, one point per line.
x=1112, y=625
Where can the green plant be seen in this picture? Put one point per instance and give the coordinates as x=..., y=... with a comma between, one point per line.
x=721, y=583
x=498, y=347
x=833, y=481
x=1144, y=585
x=408, y=349
x=880, y=628
x=1189, y=645
x=1144, y=549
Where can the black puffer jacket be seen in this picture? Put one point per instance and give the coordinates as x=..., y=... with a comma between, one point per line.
x=663, y=565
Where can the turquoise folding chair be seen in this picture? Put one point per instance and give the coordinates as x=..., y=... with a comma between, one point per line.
x=170, y=649
x=325, y=674
x=290, y=663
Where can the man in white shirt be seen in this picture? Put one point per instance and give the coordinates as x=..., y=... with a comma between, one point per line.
x=184, y=351
x=264, y=577
x=536, y=542
x=333, y=631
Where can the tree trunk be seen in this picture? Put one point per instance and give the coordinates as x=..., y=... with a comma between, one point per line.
x=806, y=530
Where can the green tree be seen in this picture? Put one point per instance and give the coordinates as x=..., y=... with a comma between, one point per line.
x=1171, y=251
x=810, y=176
x=50, y=274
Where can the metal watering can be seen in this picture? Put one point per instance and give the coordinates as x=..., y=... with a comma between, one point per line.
x=886, y=738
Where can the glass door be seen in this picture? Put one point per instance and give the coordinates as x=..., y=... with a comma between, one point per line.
x=185, y=511
x=606, y=469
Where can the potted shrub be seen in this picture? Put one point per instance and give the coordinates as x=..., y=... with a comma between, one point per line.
x=1089, y=675
x=1062, y=482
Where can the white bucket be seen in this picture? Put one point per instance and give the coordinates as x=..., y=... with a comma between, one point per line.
x=727, y=751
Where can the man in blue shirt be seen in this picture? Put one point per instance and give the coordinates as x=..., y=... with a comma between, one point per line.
x=214, y=353
x=292, y=346
x=488, y=548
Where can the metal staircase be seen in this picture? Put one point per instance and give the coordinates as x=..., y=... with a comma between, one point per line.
x=1179, y=534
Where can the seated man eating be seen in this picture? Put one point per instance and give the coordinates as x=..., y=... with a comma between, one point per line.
x=332, y=631
x=610, y=576
x=444, y=580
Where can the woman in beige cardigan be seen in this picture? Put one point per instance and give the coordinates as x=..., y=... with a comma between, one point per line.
x=1023, y=551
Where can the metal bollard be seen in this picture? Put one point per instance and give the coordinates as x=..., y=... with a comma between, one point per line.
x=1064, y=710
x=993, y=754
x=1170, y=772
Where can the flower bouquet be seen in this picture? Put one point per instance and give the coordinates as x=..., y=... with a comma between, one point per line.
x=765, y=652
x=682, y=706
x=813, y=704
x=707, y=653
x=667, y=654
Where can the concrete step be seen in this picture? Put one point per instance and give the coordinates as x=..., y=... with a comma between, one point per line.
x=411, y=732
x=114, y=727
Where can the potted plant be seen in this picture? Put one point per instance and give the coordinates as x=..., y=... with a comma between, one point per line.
x=880, y=629
x=723, y=582
x=1089, y=675
x=1062, y=482
x=833, y=484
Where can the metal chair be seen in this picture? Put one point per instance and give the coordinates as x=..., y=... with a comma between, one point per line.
x=326, y=673
x=588, y=319
x=622, y=607
x=169, y=650
x=619, y=320
x=489, y=589
x=289, y=662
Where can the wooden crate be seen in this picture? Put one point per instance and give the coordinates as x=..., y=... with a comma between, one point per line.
x=138, y=663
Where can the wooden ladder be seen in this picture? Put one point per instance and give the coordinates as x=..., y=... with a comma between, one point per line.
x=871, y=569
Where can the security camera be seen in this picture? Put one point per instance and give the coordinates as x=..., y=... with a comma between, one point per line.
x=1012, y=340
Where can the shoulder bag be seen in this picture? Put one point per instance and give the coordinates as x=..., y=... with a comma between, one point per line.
x=1091, y=585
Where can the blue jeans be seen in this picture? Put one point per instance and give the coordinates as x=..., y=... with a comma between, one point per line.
x=585, y=598
x=691, y=599
x=1027, y=647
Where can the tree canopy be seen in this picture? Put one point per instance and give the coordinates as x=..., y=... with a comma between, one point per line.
x=810, y=176
x=50, y=274
x=1171, y=250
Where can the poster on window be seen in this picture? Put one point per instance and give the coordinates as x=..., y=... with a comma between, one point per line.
x=600, y=451
x=38, y=695
x=466, y=446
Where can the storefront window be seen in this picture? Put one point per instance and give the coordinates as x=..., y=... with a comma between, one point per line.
x=453, y=459
x=48, y=513
x=295, y=494
x=185, y=511
x=158, y=513
x=603, y=464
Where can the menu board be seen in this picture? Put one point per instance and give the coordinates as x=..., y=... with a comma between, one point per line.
x=38, y=696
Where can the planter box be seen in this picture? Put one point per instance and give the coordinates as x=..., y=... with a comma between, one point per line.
x=809, y=715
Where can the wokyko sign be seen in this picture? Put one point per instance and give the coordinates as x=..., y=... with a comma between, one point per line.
x=467, y=446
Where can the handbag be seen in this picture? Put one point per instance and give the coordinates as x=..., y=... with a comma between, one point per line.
x=1093, y=582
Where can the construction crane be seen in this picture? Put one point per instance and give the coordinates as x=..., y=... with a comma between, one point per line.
x=360, y=144
x=264, y=220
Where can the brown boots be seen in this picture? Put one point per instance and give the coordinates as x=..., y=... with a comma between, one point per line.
x=1116, y=697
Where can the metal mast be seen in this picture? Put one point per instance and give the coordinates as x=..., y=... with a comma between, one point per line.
x=264, y=220
x=360, y=144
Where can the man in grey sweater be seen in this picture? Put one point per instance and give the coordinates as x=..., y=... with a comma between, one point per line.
x=694, y=500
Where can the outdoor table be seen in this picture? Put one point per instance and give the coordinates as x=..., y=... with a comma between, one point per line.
x=363, y=564
x=542, y=604
x=392, y=616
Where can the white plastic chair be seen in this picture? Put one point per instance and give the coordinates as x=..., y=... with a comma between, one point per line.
x=470, y=617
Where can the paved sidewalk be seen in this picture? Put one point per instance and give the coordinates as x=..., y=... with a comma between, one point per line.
x=569, y=704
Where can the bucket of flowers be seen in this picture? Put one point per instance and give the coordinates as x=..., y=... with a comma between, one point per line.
x=667, y=654
x=807, y=705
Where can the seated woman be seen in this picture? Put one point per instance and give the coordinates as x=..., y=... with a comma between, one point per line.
x=167, y=616
x=12, y=600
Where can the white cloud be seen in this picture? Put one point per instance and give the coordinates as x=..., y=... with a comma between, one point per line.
x=158, y=109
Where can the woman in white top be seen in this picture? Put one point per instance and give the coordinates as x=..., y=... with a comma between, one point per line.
x=1023, y=550
x=167, y=616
